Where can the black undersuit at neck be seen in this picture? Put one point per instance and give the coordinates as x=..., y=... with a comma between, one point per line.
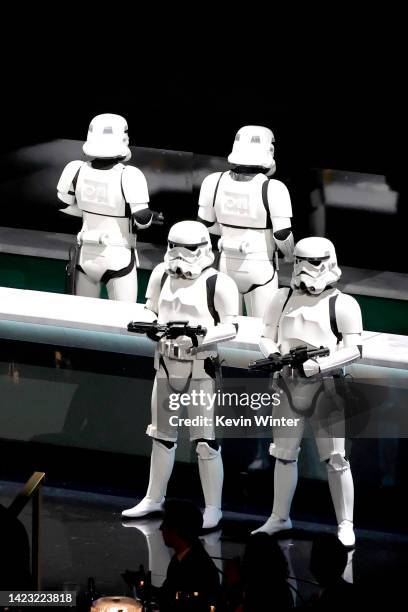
x=106, y=163
x=246, y=173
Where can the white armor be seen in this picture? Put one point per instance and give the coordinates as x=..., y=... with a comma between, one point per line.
x=330, y=319
x=209, y=299
x=315, y=265
x=180, y=259
x=108, y=138
x=253, y=214
x=110, y=197
x=253, y=146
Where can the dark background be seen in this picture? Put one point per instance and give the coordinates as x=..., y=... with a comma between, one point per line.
x=334, y=97
x=332, y=101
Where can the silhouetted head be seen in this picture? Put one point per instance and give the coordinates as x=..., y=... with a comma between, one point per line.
x=328, y=559
x=263, y=557
x=182, y=523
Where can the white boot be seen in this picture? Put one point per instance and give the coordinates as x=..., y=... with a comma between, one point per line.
x=212, y=477
x=161, y=467
x=345, y=533
x=273, y=525
x=285, y=481
x=342, y=492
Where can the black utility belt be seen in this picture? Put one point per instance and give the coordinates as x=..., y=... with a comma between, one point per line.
x=89, y=212
x=244, y=226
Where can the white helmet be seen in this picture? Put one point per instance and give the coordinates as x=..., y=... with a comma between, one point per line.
x=189, y=250
x=253, y=146
x=315, y=265
x=107, y=137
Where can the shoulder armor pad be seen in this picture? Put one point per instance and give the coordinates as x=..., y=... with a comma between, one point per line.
x=68, y=175
x=348, y=315
x=208, y=189
x=226, y=296
x=275, y=307
x=225, y=282
x=154, y=285
x=134, y=186
x=279, y=199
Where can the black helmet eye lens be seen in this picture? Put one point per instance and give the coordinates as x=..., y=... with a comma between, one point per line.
x=315, y=262
x=189, y=247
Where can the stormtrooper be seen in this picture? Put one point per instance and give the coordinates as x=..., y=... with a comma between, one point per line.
x=186, y=288
x=112, y=199
x=315, y=314
x=253, y=214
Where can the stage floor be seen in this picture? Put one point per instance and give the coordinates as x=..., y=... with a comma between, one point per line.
x=83, y=536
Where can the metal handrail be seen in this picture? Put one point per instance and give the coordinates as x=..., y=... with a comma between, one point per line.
x=32, y=491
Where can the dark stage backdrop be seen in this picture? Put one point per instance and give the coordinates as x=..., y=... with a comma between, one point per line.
x=333, y=109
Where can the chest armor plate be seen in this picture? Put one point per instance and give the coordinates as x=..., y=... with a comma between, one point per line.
x=185, y=300
x=306, y=320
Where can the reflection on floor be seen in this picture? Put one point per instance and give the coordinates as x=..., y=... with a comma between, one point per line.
x=83, y=536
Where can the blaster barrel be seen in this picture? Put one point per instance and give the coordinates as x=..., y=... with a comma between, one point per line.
x=172, y=329
x=141, y=327
x=265, y=364
x=294, y=358
x=323, y=351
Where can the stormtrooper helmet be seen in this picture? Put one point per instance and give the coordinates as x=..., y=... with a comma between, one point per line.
x=107, y=138
x=253, y=146
x=189, y=250
x=315, y=265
